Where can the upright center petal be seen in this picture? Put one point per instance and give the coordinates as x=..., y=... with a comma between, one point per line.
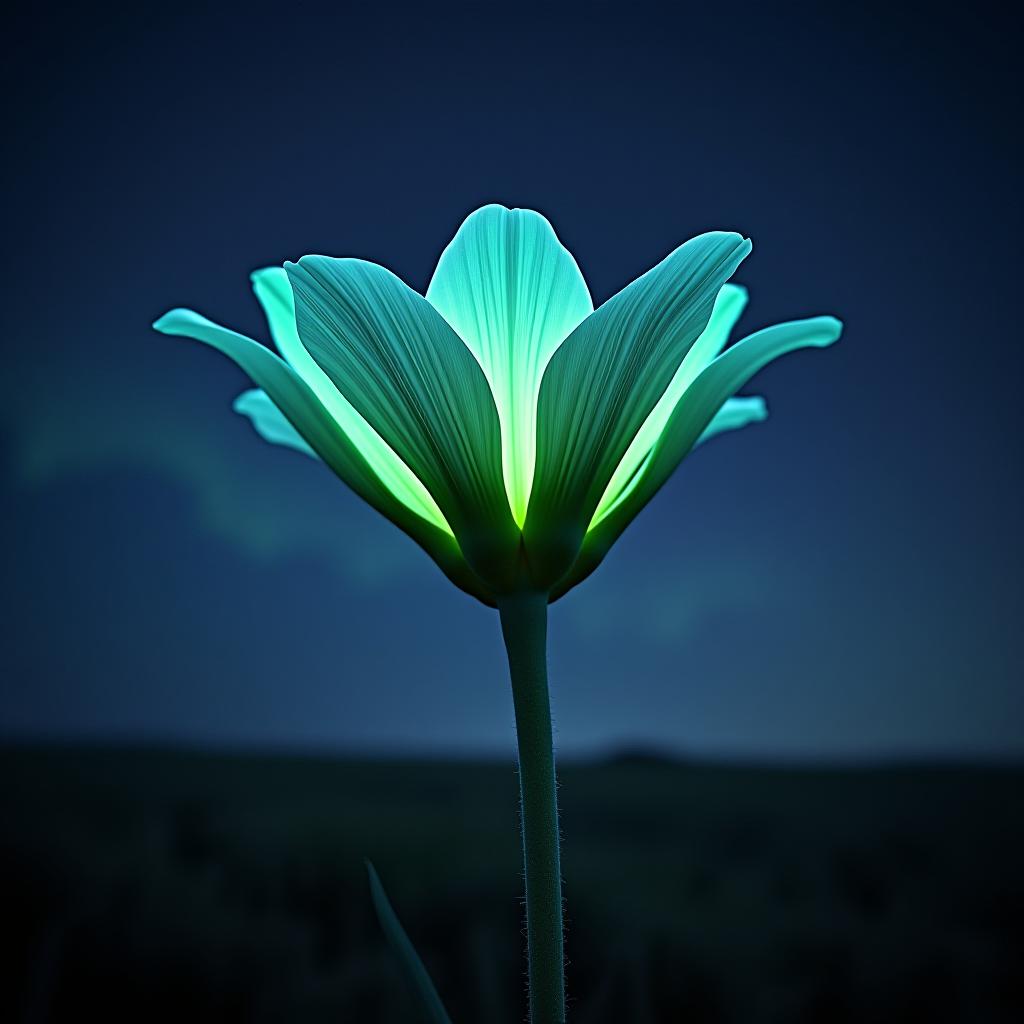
x=513, y=293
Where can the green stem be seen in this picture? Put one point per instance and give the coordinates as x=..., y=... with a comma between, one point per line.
x=524, y=621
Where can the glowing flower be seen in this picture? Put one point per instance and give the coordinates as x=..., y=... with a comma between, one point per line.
x=512, y=430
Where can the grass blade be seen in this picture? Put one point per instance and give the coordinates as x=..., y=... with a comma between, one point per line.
x=416, y=977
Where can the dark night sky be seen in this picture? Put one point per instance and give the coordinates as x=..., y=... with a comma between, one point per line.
x=844, y=580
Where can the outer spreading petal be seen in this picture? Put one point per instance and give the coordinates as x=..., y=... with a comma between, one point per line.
x=409, y=375
x=693, y=420
x=603, y=382
x=274, y=292
x=513, y=294
x=736, y=413
x=269, y=422
x=290, y=393
x=729, y=305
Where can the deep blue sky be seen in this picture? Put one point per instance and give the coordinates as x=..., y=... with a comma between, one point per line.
x=843, y=580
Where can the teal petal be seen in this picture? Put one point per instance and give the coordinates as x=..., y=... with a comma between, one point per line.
x=604, y=381
x=418, y=981
x=269, y=422
x=513, y=293
x=735, y=414
x=296, y=400
x=274, y=292
x=694, y=420
x=409, y=375
x=729, y=305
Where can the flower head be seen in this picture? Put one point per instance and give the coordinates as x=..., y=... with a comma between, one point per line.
x=507, y=426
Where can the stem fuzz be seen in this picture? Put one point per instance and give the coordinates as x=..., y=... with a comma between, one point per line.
x=524, y=627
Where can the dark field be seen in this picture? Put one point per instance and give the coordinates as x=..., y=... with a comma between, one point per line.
x=158, y=886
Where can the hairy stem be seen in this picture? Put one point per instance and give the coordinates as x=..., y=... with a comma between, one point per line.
x=524, y=620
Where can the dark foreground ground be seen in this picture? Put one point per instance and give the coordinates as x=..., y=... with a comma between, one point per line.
x=155, y=886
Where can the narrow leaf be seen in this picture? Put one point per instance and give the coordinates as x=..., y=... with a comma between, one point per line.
x=431, y=1008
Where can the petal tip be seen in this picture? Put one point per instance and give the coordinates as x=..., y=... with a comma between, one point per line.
x=243, y=404
x=757, y=408
x=741, y=246
x=172, y=321
x=831, y=329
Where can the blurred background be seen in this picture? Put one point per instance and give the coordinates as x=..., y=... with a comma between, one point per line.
x=789, y=705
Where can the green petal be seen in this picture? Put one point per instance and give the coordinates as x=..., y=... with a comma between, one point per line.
x=736, y=413
x=694, y=420
x=731, y=301
x=290, y=393
x=269, y=422
x=274, y=292
x=409, y=375
x=604, y=380
x=513, y=294
x=421, y=987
